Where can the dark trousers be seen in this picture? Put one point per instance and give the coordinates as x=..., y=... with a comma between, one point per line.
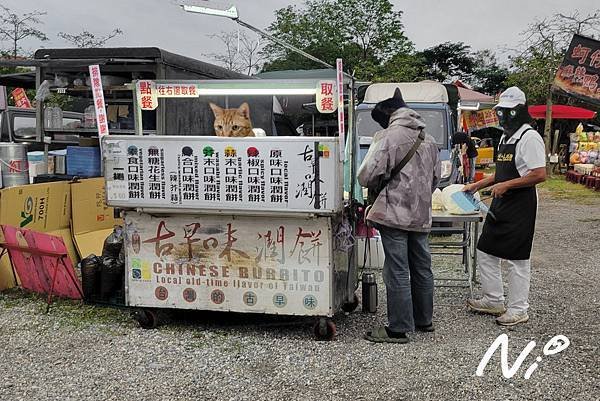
x=408, y=278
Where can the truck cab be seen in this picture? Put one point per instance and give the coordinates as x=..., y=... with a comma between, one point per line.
x=19, y=125
x=430, y=100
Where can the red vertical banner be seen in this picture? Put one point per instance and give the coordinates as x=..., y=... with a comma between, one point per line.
x=341, y=124
x=101, y=119
x=20, y=98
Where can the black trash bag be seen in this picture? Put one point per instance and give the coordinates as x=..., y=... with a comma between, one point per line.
x=109, y=278
x=113, y=243
x=90, y=277
x=112, y=280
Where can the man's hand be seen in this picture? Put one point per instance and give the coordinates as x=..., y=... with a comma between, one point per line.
x=498, y=190
x=470, y=188
x=476, y=186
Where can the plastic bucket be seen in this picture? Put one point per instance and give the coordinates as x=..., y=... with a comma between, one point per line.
x=13, y=164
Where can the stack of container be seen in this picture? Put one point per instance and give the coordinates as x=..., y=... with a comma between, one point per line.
x=13, y=165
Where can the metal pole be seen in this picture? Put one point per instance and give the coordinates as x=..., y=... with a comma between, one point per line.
x=137, y=112
x=233, y=15
x=282, y=43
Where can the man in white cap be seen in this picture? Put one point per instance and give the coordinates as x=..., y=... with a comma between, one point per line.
x=508, y=230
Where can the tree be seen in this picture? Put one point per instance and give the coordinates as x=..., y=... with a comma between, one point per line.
x=240, y=53
x=488, y=76
x=251, y=57
x=87, y=39
x=365, y=33
x=402, y=67
x=540, y=54
x=229, y=56
x=449, y=61
x=14, y=28
x=308, y=29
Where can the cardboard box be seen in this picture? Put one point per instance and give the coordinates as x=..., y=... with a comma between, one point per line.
x=91, y=220
x=39, y=207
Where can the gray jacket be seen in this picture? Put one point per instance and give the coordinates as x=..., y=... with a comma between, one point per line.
x=406, y=201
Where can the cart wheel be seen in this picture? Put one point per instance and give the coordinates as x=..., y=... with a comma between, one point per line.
x=147, y=318
x=351, y=306
x=324, y=329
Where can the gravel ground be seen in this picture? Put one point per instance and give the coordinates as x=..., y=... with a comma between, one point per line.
x=84, y=353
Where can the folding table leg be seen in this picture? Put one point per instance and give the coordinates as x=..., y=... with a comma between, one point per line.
x=475, y=239
x=465, y=249
x=73, y=279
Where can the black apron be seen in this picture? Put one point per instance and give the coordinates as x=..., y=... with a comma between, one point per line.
x=509, y=235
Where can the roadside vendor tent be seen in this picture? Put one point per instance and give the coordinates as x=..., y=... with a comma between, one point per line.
x=469, y=95
x=562, y=112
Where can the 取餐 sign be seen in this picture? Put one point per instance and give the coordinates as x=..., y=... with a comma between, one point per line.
x=579, y=73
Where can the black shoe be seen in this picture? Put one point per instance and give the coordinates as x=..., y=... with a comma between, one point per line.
x=425, y=329
x=395, y=334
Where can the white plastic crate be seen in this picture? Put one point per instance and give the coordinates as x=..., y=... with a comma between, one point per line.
x=584, y=168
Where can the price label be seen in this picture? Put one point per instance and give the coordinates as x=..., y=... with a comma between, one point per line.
x=116, y=191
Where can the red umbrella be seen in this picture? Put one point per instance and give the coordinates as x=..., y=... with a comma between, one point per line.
x=560, y=111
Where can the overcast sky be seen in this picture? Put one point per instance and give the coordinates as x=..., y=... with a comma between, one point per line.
x=480, y=23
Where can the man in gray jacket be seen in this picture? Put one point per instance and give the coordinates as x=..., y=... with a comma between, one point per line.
x=402, y=214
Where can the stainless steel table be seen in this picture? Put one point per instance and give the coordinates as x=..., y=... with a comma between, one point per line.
x=468, y=227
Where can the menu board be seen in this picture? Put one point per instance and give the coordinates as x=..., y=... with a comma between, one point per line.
x=269, y=174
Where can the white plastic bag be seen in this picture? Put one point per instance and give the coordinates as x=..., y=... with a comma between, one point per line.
x=449, y=203
x=436, y=200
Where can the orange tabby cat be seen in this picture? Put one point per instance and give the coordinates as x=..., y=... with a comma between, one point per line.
x=232, y=122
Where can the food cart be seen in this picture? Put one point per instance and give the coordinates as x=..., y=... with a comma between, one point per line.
x=250, y=225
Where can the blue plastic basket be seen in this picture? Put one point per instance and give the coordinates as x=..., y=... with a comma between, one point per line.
x=83, y=161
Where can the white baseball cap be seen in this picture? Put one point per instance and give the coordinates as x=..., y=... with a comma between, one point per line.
x=512, y=97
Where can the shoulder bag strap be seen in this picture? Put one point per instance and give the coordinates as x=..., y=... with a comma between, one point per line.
x=408, y=156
